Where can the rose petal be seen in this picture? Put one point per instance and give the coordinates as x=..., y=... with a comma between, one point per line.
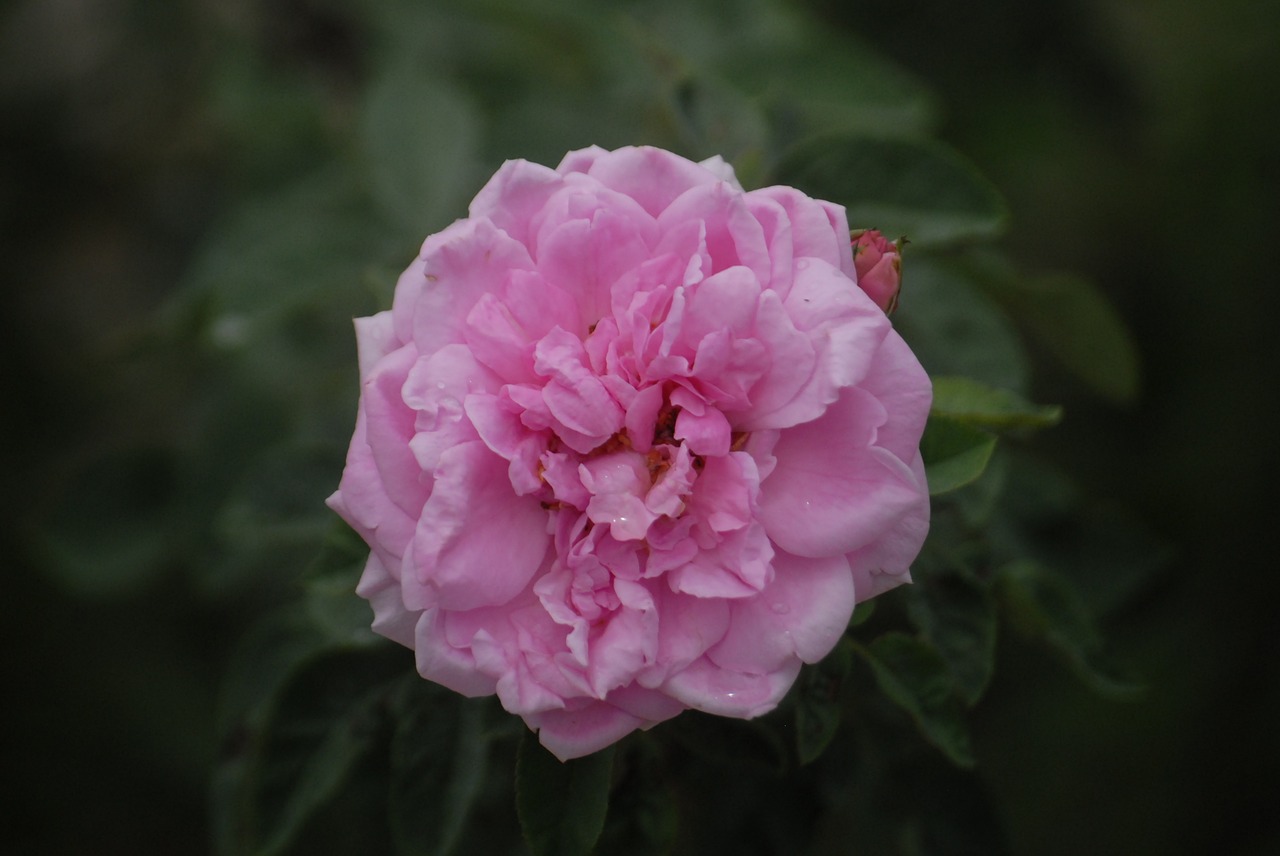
x=569, y=734
x=802, y=613
x=825, y=498
x=471, y=258
x=706, y=687
x=477, y=543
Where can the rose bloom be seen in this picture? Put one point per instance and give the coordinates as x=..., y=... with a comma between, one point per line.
x=630, y=441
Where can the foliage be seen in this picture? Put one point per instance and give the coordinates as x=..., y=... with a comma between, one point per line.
x=329, y=741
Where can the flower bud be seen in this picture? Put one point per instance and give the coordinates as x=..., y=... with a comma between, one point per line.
x=878, y=264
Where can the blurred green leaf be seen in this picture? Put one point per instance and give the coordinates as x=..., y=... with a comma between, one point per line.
x=716, y=119
x=916, y=677
x=318, y=741
x=810, y=83
x=1073, y=320
x=562, y=805
x=965, y=400
x=917, y=188
x=738, y=742
x=297, y=718
x=1044, y=604
x=109, y=528
x=439, y=761
x=276, y=253
x=955, y=454
x=643, y=811
x=954, y=328
x=421, y=135
x=818, y=702
x=957, y=615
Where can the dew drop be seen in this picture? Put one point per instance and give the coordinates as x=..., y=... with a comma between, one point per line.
x=780, y=608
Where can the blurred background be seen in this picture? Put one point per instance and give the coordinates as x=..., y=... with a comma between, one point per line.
x=197, y=196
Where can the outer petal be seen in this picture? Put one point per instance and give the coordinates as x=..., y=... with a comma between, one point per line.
x=361, y=500
x=375, y=338
x=448, y=665
x=652, y=177
x=884, y=563
x=574, y=733
x=901, y=385
x=477, y=543
x=517, y=191
x=831, y=491
x=382, y=590
x=801, y=614
x=389, y=426
x=711, y=689
x=469, y=259
x=819, y=229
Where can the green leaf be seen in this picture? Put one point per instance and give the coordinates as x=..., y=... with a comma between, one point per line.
x=319, y=741
x=1045, y=604
x=813, y=82
x=110, y=528
x=957, y=615
x=818, y=708
x=439, y=761
x=330, y=587
x=421, y=135
x=562, y=805
x=955, y=454
x=1072, y=319
x=954, y=328
x=277, y=254
x=752, y=743
x=965, y=400
x=917, y=188
x=916, y=678
x=643, y=811
x=716, y=119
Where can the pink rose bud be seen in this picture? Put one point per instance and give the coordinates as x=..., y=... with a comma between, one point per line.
x=879, y=266
x=631, y=441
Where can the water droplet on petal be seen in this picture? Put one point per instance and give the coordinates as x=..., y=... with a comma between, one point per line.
x=780, y=608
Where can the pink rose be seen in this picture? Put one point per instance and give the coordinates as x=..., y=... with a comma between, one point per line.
x=878, y=266
x=631, y=441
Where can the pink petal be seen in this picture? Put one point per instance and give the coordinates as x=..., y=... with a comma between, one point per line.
x=389, y=426
x=517, y=191
x=477, y=543
x=375, y=339
x=469, y=259
x=732, y=235
x=585, y=257
x=573, y=733
x=687, y=627
x=652, y=177
x=711, y=689
x=885, y=562
x=448, y=665
x=362, y=501
x=382, y=590
x=818, y=229
x=898, y=382
x=802, y=613
x=831, y=491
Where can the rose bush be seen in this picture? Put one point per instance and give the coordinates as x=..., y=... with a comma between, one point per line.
x=630, y=441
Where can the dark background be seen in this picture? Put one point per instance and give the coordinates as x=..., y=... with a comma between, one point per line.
x=1135, y=143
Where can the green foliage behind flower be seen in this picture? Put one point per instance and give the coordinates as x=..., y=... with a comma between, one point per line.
x=342, y=135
